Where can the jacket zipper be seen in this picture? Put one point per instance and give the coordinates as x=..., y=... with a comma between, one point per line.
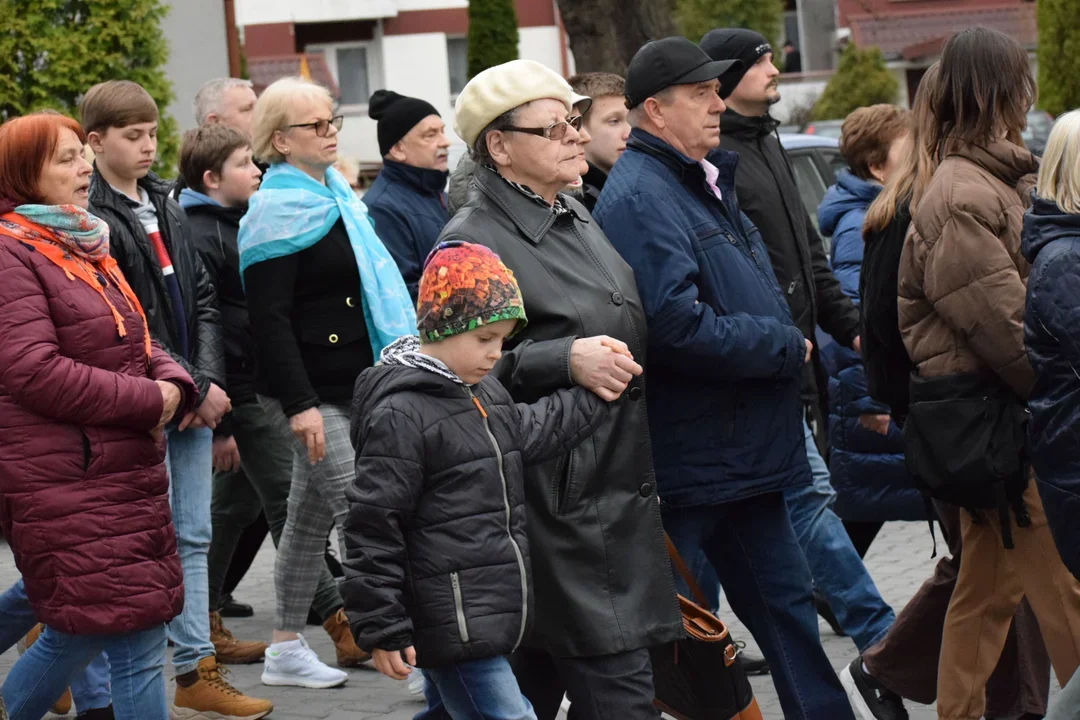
x=459, y=608
x=509, y=532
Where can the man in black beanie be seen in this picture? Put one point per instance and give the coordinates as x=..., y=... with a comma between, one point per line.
x=770, y=197
x=407, y=201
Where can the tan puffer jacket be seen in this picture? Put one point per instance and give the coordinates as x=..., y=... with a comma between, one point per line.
x=962, y=278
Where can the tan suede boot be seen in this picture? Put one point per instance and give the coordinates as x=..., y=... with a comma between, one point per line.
x=231, y=651
x=348, y=654
x=211, y=696
x=63, y=705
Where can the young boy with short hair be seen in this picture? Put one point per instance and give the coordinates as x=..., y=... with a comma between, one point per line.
x=606, y=123
x=437, y=570
x=150, y=241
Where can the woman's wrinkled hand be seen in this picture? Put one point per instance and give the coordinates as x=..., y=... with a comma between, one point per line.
x=307, y=427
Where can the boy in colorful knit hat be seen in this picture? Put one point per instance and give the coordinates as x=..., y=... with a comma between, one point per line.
x=437, y=572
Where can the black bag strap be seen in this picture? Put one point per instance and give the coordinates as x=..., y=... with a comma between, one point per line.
x=684, y=571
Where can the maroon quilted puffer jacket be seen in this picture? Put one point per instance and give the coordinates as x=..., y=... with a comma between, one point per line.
x=84, y=496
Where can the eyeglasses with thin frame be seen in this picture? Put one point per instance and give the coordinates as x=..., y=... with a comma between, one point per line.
x=322, y=127
x=555, y=131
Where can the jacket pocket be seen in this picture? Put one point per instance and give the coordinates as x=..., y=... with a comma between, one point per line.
x=85, y=450
x=708, y=235
x=459, y=608
x=564, y=482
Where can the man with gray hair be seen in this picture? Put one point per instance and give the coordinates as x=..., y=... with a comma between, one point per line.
x=230, y=101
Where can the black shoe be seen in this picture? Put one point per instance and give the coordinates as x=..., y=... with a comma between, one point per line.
x=313, y=617
x=870, y=700
x=827, y=614
x=232, y=609
x=753, y=665
x=105, y=713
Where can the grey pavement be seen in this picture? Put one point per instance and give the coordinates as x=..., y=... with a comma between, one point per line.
x=899, y=561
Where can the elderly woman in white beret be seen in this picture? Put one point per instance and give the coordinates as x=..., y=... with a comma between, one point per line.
x=602, y=579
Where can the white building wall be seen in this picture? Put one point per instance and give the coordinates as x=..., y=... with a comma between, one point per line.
x=542, y=45
x=198, y=51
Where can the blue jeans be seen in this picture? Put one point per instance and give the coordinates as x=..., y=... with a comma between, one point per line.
x=137, y=669
x=838, y=571
x=89, y=688
x=190, y=464
x=757, y=556
x=474, y=690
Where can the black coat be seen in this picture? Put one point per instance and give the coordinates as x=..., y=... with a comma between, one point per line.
x=307, y=316
x=213, y=231
x=603, y=579
x=436, y=553
x=130, y=246
x=888, y=366
x=592, y=185
x=769, y=196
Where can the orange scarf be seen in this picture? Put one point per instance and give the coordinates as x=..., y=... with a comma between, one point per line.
x=42, y=239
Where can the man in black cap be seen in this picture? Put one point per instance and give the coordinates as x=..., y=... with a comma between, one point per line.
x=724, y=365
x=844, y=591
x=407, y=201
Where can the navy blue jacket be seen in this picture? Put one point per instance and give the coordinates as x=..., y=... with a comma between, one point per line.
x=1051, y=243
x=724, y=357
x=408, y=206
x=868, y=470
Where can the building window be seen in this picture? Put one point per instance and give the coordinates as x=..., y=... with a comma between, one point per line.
x=457, y=55
x=352, y=75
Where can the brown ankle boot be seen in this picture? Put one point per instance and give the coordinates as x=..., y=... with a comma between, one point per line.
x=211, y=696
x=348, y=654
x=63, y=705
x=231, y=651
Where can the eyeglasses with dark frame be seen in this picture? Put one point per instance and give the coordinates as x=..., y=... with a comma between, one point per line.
x=555, y=131
x=322, y=127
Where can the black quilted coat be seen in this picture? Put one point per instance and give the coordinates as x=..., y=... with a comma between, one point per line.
x=436, y=554
x=131, y=248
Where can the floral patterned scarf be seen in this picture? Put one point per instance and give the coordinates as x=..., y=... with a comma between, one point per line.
x=78, y=243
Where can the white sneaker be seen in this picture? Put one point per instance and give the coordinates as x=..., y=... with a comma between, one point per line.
x=295, y=663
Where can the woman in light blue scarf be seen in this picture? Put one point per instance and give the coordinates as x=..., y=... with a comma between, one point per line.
x=324, y=298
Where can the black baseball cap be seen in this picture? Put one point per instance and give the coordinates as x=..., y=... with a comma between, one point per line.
x=672, y=61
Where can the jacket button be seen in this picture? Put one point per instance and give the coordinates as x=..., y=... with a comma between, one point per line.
x=350, y=302
x=646, y=490
x=617, y=298
x=635, y=393
x=333, y=338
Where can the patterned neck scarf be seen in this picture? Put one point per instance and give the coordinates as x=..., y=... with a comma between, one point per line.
x=78, y=243
x=559, y=208
x=405, y=351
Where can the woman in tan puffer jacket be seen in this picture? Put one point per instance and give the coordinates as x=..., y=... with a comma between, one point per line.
x=961, y=304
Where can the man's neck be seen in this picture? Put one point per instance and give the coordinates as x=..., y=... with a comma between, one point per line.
x=598, y=165
x=749, y=110
x=128, y=186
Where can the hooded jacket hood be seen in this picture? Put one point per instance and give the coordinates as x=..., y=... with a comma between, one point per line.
x=849, y=193
x=1044, y=223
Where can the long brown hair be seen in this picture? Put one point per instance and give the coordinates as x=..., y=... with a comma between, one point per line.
x=919, y=163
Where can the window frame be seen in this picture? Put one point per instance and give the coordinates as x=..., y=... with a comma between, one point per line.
x=374, y=68
x=449, y=37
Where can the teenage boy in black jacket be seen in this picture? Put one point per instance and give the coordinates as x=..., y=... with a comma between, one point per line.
x=150, y=241
x=437, y=570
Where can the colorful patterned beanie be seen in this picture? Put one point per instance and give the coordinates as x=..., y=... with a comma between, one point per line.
x=465, y=286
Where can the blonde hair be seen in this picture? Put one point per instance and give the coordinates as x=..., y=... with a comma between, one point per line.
x=918, y=166
x=272, y=113
x=1059, y=173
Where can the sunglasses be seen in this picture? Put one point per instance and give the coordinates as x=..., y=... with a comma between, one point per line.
x=322, y=127
x=555, y=131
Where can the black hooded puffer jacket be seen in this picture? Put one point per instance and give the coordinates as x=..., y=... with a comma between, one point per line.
x=436, y=551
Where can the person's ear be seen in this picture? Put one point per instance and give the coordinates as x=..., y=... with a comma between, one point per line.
x=95, y=140
x=654, y=109
x=280, y=142
x=211, y=180
x=396, y=153
x=498, y=147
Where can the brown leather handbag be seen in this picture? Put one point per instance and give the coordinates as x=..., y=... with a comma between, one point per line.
x=698, y=678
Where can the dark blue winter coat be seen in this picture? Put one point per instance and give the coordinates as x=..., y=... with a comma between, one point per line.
x=408, y=206
x=724, y=357
x=1051, y=243
x=868, y=470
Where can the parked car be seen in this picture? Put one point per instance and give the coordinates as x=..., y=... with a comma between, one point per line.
x=1037, y=131
x=824, y=128
x=815, y=161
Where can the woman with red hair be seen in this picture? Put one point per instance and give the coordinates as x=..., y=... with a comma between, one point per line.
x=84, y=396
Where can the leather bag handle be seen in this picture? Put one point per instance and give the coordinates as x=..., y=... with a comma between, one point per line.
x=684, y=571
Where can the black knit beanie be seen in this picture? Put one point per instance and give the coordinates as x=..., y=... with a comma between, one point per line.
x=396, y=115
x=735, y=44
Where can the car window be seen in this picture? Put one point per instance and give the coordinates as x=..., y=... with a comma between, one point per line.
x=811, y=185
x=834, y=160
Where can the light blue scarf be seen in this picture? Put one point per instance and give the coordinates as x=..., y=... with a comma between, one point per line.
x=292, y=211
